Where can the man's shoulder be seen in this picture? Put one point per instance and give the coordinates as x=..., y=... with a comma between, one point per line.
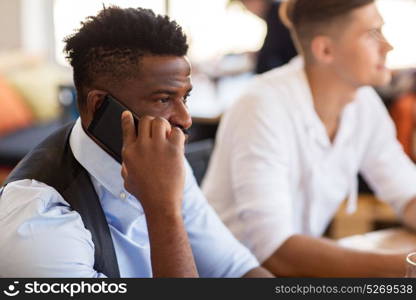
x=281, y=76
x=37, y=217
x=276, y=87
x=31, y=205
x=29, y=197
x=270, y=96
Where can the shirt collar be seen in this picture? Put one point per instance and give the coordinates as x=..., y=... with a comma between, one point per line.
x=95, y=160
x=302, y=90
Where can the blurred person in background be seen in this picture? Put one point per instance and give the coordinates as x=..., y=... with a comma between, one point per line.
x=288, y=152
x=278, y=48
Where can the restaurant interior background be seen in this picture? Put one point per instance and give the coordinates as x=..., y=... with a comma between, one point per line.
x=37, y=95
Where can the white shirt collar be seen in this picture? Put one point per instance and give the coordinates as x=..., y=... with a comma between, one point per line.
x=95, y=160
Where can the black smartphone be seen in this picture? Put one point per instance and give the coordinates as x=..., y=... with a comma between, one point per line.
x=106, y=126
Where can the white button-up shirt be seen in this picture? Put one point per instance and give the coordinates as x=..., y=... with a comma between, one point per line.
x=275, y=173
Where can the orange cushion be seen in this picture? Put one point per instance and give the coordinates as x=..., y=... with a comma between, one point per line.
x=14, y=113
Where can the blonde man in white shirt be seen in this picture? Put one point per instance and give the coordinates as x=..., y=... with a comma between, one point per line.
x=289, y=151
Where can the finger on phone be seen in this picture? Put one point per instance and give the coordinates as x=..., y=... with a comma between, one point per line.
x=145, y=127
x=177, y=136
x=160, y=128
x=127, y=124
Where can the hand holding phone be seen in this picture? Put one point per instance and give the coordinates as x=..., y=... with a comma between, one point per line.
x=153, y=166
x=154, y=172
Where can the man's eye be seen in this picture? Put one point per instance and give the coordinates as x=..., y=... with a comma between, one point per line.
x=377, y=34
x=163, y=100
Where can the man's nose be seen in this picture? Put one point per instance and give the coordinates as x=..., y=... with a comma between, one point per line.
x=387, y=47
x=180, y=116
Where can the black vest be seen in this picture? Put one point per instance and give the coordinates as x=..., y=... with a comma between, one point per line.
x=53, y=163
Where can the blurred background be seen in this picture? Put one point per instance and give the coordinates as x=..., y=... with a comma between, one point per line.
x=230, y=41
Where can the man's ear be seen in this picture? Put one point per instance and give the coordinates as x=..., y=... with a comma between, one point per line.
x=93, y=101
x=322, y=49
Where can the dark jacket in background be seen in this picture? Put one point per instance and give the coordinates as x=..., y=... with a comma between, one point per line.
x=278, y=48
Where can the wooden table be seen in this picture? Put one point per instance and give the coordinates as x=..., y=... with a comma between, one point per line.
x=389, y=240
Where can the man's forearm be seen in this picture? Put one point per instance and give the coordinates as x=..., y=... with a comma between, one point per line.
x=171, y=253
x=303, y=256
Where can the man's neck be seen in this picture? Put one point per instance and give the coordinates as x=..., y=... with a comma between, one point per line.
x=330, y=95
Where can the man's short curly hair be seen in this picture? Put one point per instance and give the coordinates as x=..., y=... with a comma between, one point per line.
x=111, y=44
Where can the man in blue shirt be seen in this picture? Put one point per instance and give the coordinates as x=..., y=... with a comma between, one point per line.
x=160, y=223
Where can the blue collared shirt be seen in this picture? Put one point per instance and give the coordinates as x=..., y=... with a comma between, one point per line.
x=42, y=237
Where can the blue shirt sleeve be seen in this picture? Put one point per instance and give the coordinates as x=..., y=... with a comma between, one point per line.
x=41, y=236
x=216, y=251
